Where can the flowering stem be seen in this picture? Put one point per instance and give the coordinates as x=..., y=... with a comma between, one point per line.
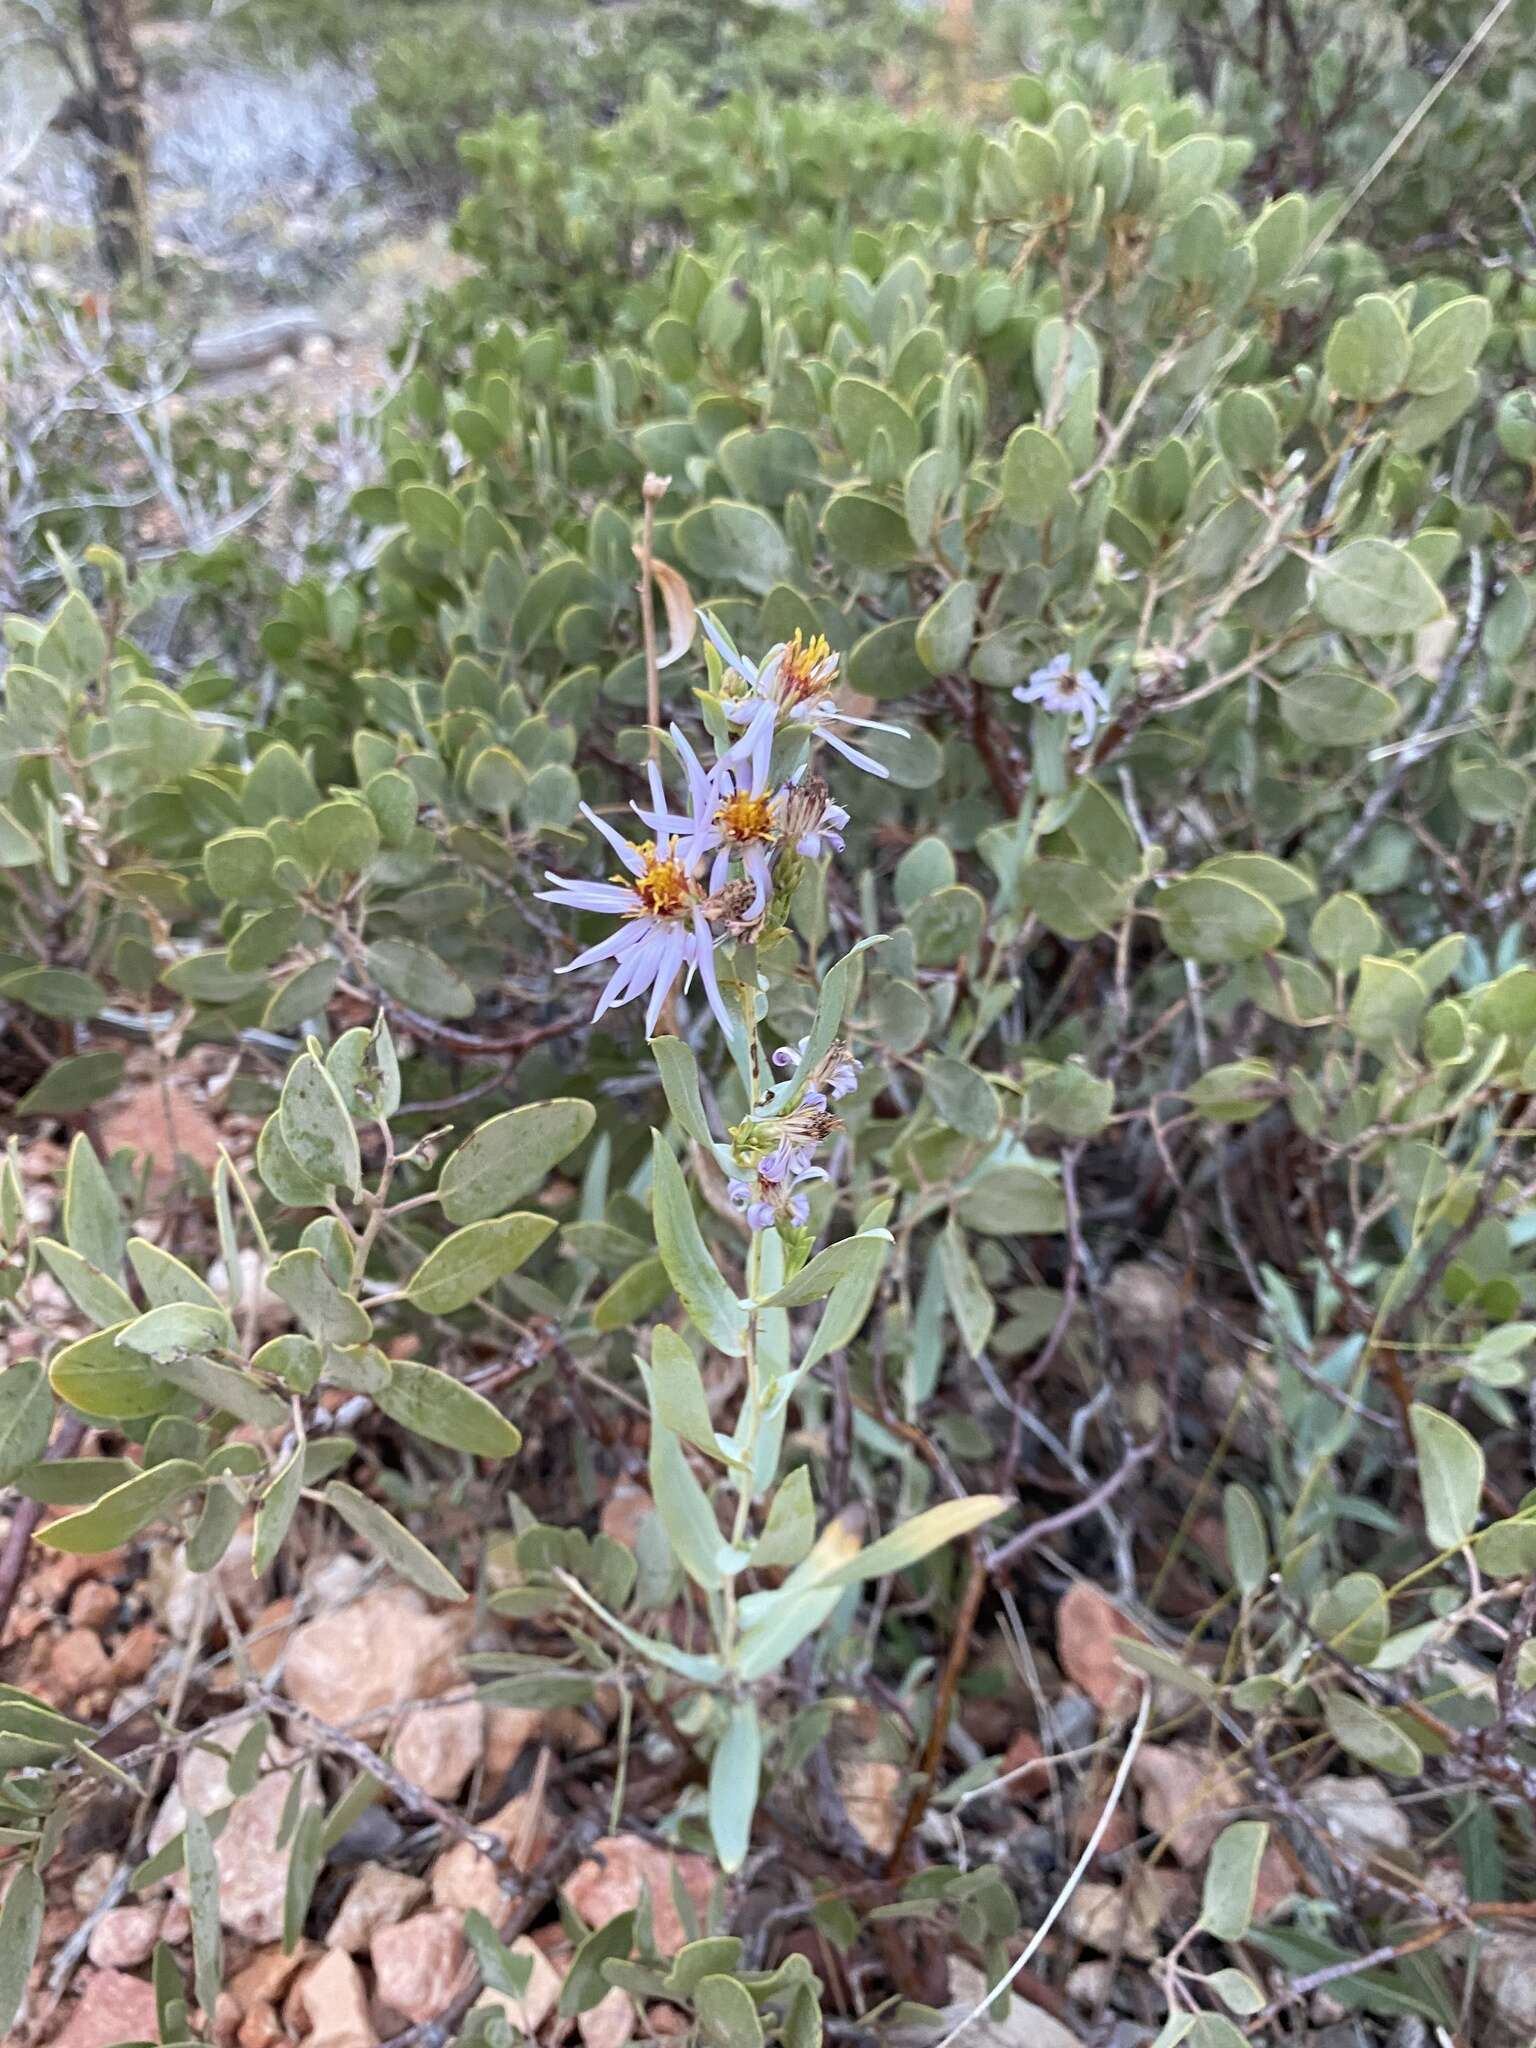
x=650, y=491
x=750, y=1416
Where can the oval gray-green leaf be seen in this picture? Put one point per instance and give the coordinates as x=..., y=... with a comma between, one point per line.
x=26, y=1415
x=120, y=1514
x=465, y=1265
x=1373, y=586
x=442, y=1409
x=509, y=1156
x=316, y=1128
x=1207, y=917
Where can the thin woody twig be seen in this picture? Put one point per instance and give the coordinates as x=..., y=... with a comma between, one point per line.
x=412, y=1797
x=1052, y=1525
x=28, y=1513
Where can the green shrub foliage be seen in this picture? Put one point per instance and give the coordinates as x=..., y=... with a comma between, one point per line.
x=1181, y=551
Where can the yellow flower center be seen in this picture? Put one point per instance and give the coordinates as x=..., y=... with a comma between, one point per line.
x=745, y=817
x=797, y=671
x=664, y=889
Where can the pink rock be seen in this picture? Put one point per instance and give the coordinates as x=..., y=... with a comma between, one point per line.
x=541, y=1994
x=464, y=1878
x=78, y=1662
x=378, y=1897
x=438, y=1747
x=467, y=1882
x=624, y=1510
x=125, y=1937
x=267, y=1976
x=111, y=2008
x=417, y=1963
x=375, y=1654
x=609, y=2023
x=1189, y=1795
x=508, y=1731
x=624, y=1868
x=253, y=1871
x=336, y=2000
x=1087, y=1623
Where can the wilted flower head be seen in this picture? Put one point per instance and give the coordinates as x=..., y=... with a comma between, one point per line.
x=793, y=689
x=660, y=896
x=809, y=821
x=1070, y=692
x=836, y=1074
x=771, y=1195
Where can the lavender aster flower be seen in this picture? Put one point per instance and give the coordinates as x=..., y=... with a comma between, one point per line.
x=665, y=932
x=1070, y=693
x=731, y=811
x=793, y=690
x=765, y=1199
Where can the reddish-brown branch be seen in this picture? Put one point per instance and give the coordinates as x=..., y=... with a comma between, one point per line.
x=943, y=1707
x=13, y=1559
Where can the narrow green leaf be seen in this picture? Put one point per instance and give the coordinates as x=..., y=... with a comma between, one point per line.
x=1247, y=1539
x=94, y=1376
x=735, y=1773
x=275, y=1511
x=679, y=1072
x=585, y=1984
x=1232, y=1879
x=790, y=1529
x=165, y=1279
x=683, y=1509
x=851, y=1258
x=396, y=1545
x=73, y=1084
x=832, y=1002
x=914, y=1540
x=678, y=1400
x=21, y=1928
x=306, y=1858
x=330, y=1317
x=180, y=1329
x=501, y=1970
x=711, y=1306
x=93, y=1216
x=72, y=1482
x=970, y=1302
x=1450, y=1475
x=215, y=1528
x=1367, y=1734
x=1237, y=1992
x=26, y=1415
x=203, y=1906
x=364, y=1792
x=225, y=1387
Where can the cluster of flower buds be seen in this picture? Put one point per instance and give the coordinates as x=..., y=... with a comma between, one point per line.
x=778, y=1154
x=709, y=868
